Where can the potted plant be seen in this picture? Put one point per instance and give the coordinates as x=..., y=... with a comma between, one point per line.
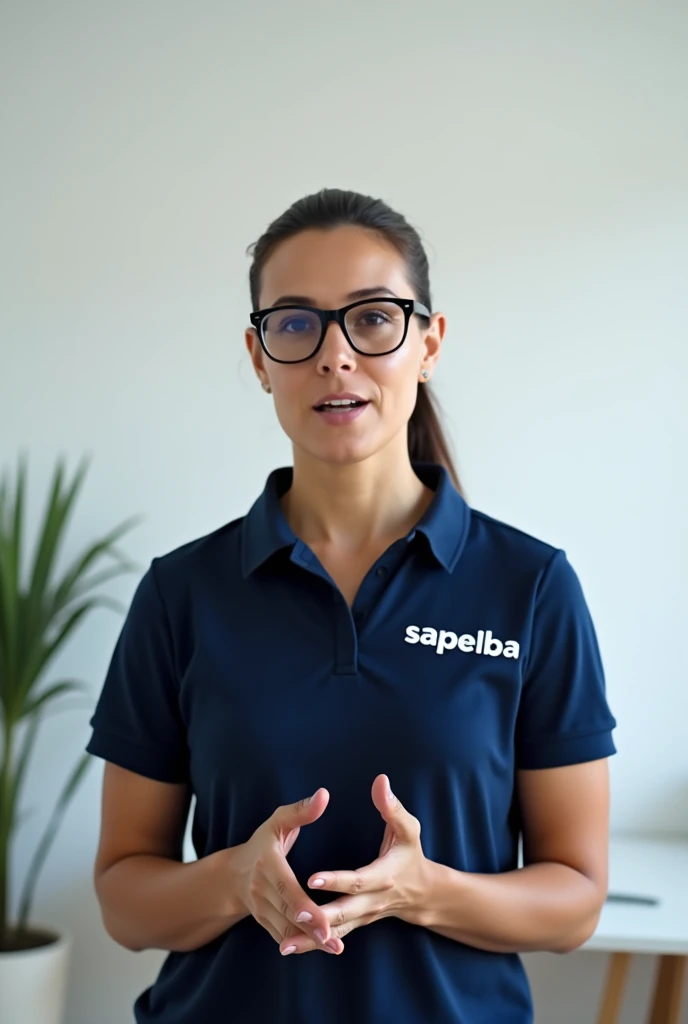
x=38, y=615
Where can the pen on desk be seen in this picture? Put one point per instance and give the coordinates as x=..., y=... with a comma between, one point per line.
x=622, y=897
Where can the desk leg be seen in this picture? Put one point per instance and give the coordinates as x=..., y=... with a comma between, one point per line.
x=614, y=988
x=668, y=994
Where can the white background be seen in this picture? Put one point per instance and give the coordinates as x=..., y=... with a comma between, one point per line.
x=542, y=150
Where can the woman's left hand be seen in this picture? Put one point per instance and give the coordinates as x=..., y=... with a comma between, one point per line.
x=392, y=886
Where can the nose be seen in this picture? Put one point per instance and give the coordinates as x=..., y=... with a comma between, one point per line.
x=336, y=354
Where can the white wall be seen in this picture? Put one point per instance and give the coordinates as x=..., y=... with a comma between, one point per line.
x=542, y=149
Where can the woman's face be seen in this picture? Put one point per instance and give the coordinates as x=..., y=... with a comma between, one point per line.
x=325, y=268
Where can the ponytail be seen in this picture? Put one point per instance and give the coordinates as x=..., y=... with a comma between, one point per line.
x=426, y=438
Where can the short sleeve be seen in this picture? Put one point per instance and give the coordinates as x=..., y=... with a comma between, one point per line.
x=137, y=722
x=563, y=717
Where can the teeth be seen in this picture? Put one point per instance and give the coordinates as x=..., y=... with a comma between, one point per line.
x=341, y=401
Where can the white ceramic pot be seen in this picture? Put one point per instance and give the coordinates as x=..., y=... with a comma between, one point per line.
x=33, y=982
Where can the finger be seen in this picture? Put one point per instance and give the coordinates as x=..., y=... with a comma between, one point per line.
x=302, y=945
x=289, y=899
x=289, y=840
x=303, y=812
x=405, y=825
x=305, y=944
x=350, y=912
x=277, y=926
x=371, y=878
x=287, y=934
x=350, y=926
x=388, y=841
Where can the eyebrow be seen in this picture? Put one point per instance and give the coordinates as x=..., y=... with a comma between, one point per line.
x=361, y=293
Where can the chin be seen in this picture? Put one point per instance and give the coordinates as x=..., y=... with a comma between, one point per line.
x=343, y=453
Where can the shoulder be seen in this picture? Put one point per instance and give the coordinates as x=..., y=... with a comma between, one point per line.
x=509, y=548
x=196, y=561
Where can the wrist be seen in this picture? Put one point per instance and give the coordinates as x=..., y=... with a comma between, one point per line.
x=426, y=896
x=230, y=872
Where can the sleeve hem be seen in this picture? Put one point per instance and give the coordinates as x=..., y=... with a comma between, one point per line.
x=559, y=751
x=143, y=759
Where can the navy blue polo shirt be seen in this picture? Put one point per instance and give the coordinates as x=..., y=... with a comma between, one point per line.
x=469, y=653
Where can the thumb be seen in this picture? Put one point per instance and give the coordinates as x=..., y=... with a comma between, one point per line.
x=393, y=811
x=303, y=812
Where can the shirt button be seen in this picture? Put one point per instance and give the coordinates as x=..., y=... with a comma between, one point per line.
x=381, y=571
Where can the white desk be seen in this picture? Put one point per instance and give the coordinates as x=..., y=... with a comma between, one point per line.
x=646, y=867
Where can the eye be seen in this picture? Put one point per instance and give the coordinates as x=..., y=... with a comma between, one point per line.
x=291, y=321
x=295, y=324
x=373, y=318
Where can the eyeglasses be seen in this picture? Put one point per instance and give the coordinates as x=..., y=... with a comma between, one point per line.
x=373, y=327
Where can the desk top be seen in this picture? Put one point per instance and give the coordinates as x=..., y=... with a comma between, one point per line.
x=646, y=867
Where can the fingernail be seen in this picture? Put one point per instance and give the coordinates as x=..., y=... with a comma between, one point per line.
x=320, y=935
x=288, y=950
x=304, y=916
x=332, y=944
x=317, y=882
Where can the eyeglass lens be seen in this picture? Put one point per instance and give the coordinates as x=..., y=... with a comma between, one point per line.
x=374, y=328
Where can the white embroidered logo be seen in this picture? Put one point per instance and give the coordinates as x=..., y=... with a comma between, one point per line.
x=444, y=640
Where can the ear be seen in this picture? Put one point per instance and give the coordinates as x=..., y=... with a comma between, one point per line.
x=255, y=351
x=432, y=342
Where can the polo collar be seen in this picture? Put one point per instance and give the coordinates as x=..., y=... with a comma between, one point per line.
x=265, y=529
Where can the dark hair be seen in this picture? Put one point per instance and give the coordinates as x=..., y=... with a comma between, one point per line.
x=330, y=208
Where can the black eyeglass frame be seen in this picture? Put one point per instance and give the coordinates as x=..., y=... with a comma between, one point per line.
x=409, y=307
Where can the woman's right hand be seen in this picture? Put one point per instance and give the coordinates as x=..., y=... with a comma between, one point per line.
x=267, y=885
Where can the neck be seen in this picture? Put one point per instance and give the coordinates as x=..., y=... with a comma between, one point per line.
x=354, y=506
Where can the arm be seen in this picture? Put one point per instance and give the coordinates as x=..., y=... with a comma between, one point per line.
x=148, y=897
x=553, y=903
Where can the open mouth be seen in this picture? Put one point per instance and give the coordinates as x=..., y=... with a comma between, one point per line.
x=345, y=405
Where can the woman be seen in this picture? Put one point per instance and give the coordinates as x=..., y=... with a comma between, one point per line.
x=360, y=626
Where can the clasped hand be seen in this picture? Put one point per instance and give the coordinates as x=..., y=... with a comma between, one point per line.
x=393, y=885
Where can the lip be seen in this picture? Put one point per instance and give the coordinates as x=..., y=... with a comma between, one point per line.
x=341, y=419
x=339, y=397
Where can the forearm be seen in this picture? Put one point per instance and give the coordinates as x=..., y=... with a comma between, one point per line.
x=150, y=902
x=543, y=906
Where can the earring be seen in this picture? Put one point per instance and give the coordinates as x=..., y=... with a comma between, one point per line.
x=267, y=388
x=425, y=374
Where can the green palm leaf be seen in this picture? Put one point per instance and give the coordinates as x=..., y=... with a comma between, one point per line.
x=37, y=618
x=55, y=517
x=42, y=652
x=67, y=590
x=56, y=690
